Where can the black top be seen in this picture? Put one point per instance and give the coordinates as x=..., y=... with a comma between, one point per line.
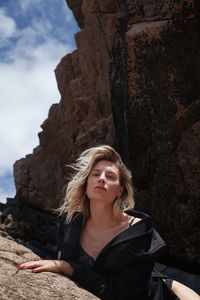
x=124, y=269
x=83, y=258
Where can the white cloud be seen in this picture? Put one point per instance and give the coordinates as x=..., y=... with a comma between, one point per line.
x=47, y=7
x=28, y=4
x=31, y=50
x=7, y=189
x=4, y=193
x=25, y=4
x=7, y=27
x=27, y=89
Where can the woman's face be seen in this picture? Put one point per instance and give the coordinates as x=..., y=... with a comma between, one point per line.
x=104, y=182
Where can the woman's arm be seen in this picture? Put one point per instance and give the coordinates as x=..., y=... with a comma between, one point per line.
x=184, y=292
x=55, y=266
x=59, y=254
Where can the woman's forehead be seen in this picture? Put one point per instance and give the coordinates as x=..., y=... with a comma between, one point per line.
x=107, y=165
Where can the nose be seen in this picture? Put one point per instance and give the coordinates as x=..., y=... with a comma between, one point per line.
x=102, y=177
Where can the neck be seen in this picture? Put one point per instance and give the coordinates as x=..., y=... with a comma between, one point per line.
x=102, y=216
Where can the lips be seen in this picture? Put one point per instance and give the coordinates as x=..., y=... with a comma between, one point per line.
x=100, y=188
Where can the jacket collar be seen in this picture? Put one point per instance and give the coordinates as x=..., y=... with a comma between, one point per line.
x=142, y=228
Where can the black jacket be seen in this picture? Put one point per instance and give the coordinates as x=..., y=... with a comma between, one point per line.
x=124, y=268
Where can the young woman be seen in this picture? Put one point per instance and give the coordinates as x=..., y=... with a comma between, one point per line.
x=104, y=245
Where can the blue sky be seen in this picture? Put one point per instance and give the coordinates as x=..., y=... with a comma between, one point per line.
x=34, y=36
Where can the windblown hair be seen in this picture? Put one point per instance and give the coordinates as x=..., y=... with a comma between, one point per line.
x=76, y=199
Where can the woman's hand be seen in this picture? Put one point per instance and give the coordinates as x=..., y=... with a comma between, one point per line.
x=55, y=266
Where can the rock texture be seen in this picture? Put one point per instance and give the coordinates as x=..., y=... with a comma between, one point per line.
x=132, y=83
x=22, y=284
x=163, y=113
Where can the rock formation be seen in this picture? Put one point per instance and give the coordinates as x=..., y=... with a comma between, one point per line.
x=163, y=119
x=33, y=228
x=132, y=83
x=22, y=284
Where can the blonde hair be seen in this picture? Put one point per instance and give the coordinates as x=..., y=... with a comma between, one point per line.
x=76, y=199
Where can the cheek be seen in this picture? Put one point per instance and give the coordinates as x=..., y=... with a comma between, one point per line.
x=115, y=189
x=89, y=181
x=88, y=185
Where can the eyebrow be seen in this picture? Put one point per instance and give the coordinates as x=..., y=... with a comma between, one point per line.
x=106, y=171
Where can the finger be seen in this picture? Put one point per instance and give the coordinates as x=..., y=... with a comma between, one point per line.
x=29, y=262
x=39, y=269
x=52, y=267
x=29, y=265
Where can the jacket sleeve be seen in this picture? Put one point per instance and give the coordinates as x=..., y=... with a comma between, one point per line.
x=60, y=232
x=132, y=282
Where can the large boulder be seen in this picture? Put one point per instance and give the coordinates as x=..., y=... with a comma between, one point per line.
x=22, y=284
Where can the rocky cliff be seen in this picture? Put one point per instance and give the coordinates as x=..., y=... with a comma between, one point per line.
x=163, y=118
x=132, y=83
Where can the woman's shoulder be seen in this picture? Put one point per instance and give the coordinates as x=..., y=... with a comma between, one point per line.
x=134, y=220
x=143, y=229
x=138, y=216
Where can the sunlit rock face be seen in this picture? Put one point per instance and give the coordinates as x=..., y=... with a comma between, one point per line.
x=132, y=83
x=22, y=284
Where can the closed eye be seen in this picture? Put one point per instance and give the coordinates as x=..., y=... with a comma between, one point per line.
x=110, y=177
x=95, y=174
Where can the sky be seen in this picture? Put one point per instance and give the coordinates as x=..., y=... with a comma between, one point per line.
x=34, y=36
